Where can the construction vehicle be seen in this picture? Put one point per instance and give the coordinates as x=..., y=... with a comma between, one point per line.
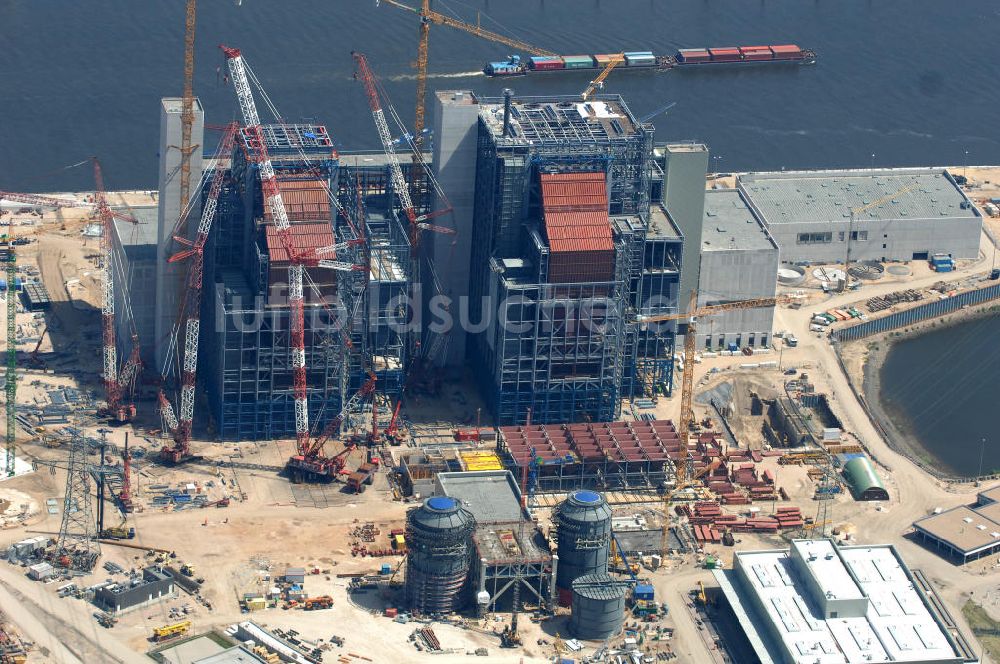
x=181, y=424
x=105, y=619
x=314, y=603
x=298, y=258
x=362, y=477
x=618, y=562
x=116, y=382
x=393, y=434
x=118, y=533
x=171, y=631
x=187, y=569
x=310, y=464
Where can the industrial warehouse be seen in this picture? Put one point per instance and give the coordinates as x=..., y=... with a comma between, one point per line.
x=528, y=382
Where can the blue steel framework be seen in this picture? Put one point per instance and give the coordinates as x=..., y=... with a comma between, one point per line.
x=561, y=371
x=248, y=378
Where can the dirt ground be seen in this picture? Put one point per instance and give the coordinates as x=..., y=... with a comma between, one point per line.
x=270, y=520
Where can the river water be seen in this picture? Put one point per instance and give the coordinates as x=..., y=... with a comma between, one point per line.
x=912, y=81
x=940, y=389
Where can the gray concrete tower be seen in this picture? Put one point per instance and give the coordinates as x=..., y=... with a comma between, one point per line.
x=456, y=116
x=684, y=170
x=169, y=276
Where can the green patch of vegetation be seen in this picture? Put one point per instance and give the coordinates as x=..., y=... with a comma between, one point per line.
x=983, y=627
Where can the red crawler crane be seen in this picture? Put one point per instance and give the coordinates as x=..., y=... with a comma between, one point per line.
x=310, y=462
x=191, y=310
x=114, y=382
x=298, y=260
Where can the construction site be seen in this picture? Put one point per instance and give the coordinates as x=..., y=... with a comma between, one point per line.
x=509, y=387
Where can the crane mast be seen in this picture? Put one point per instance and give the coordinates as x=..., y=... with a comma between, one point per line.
x=272, y=197
x=109, y=352
x=192, y=305
x=187, y=104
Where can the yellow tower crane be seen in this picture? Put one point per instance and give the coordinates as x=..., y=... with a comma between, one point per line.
x=187, y=105
x=598, y=82
x=428, y=16
x=687, y=381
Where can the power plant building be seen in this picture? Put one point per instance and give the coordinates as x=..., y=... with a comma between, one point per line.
x=900, y=214
x=739, y=261
x=819, y=602
x=135, y=274
x=562, y=260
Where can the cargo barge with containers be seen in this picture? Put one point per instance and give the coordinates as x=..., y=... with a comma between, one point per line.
x=683, y=58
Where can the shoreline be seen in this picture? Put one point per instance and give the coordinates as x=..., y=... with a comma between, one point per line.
x=875, y=350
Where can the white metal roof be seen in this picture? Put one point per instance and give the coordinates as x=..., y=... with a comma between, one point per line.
x=895, y=625
x=829, y=196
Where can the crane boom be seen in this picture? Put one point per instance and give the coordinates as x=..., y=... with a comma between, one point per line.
x=192, y=304
x=109, y=351
x=395, y=170
x=428, y=16
x=687, y=379
x=187, y=105
x=598, y=82
x=11, y=386
x=257, y=146
x=440, y=19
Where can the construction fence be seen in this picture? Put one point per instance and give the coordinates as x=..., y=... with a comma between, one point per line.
x=917, y=314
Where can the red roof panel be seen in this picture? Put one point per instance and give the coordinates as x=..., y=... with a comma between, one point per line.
x=304, y=237
x=305, y=200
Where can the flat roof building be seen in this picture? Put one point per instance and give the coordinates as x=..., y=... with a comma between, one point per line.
x=739, y=261
x=817, y=603
x=964, y=533
x=153, y=585
x=901, y=214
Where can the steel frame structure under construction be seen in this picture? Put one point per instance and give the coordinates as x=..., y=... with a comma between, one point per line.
x=565, y=344
x=635, y=456
x=348, y=315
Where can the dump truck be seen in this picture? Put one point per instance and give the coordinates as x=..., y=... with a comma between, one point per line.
x=171, y=631
x=314, y=603
x=357, y=480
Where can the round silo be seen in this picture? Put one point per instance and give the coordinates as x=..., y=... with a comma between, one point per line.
x=583, y=527
x=439, y=539
x=598, y=607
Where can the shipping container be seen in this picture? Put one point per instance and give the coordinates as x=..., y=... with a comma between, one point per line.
x=727, y=54
x=603, y=60
x=639, y=61
x=786, y=52
x=578, y=61
x=639, y=54
x=542, y=63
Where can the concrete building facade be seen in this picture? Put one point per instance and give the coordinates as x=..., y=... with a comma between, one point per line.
x=684, y=168
x=739, y=261
x=135, y=268
x=900, y=214
x=456, y=120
